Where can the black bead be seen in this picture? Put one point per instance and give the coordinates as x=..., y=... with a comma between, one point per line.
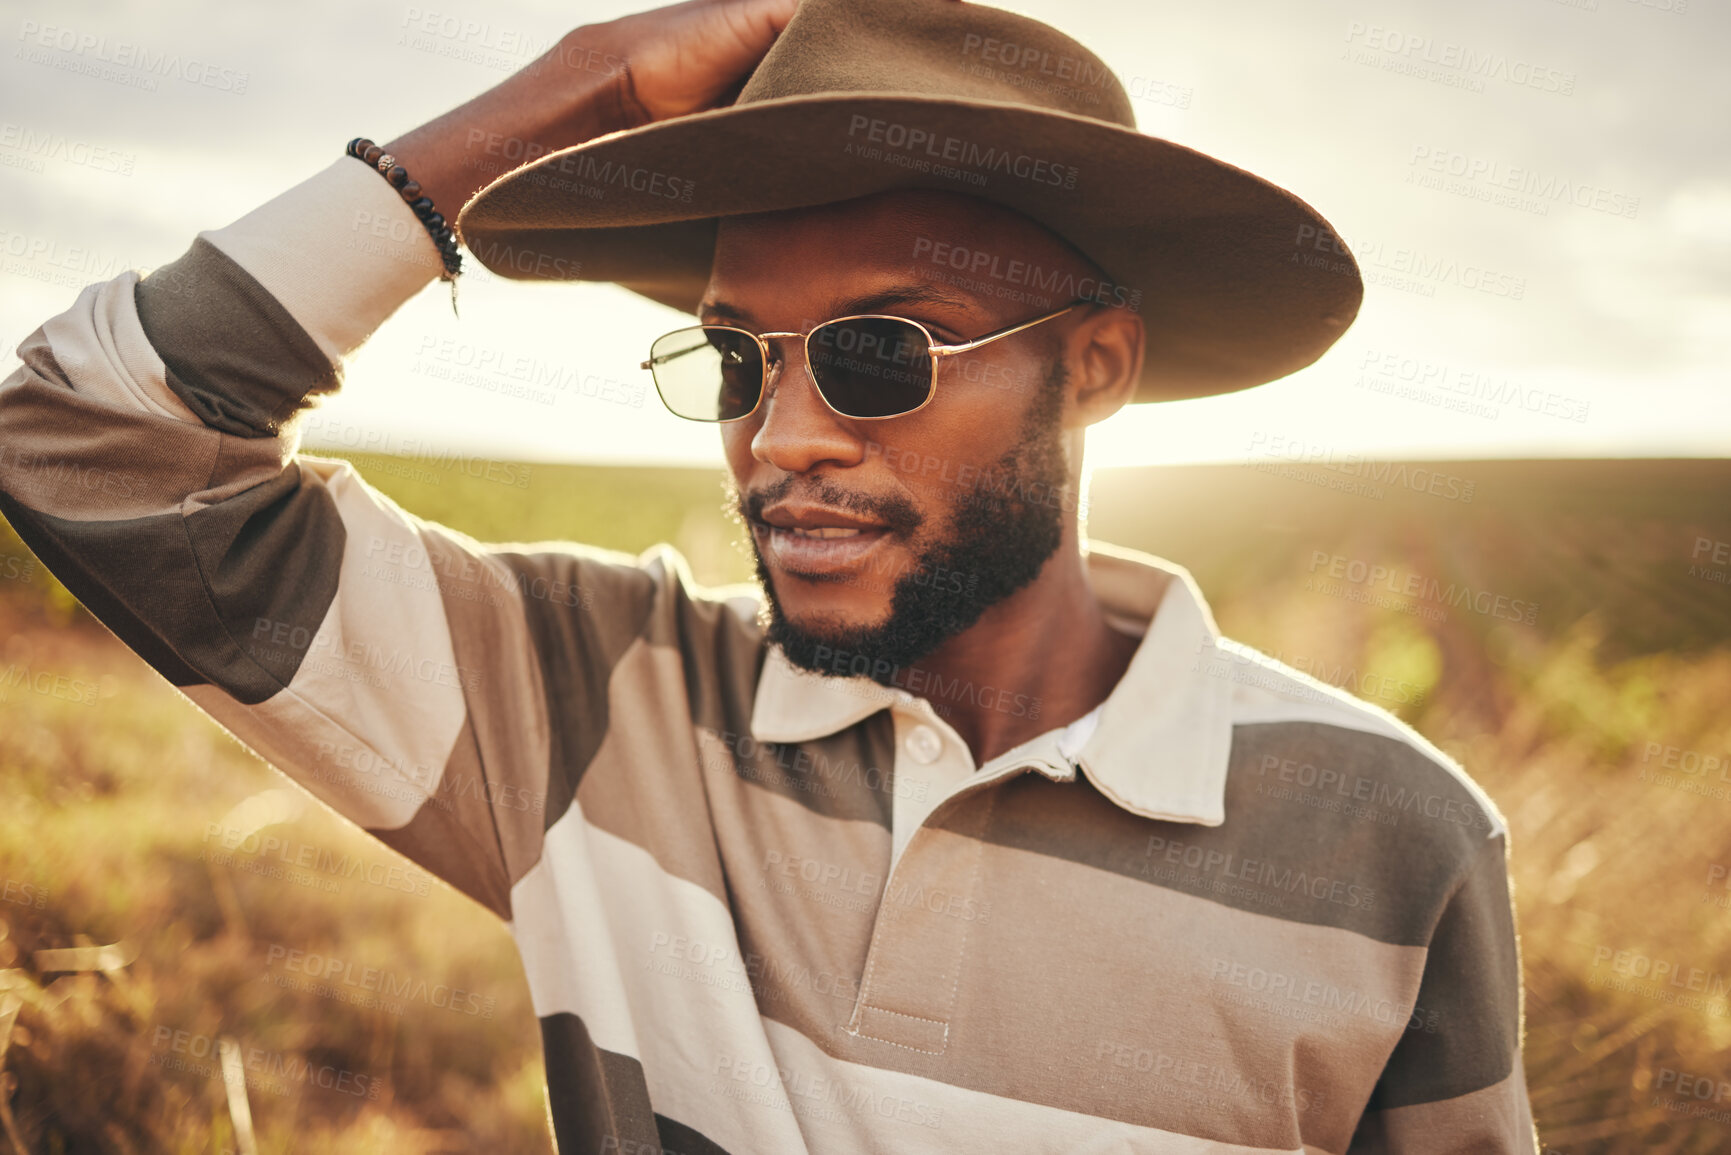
x=435, y=222
x=411, y=190
x=372, y=154
x=398, y=176
x=422, y=206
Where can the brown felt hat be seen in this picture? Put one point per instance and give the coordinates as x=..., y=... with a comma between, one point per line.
x=1239, y=282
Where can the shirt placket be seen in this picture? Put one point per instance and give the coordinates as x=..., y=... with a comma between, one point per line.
x=931, y=899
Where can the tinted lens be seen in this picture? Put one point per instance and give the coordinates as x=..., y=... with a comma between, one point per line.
x=708, y=372
x=871, y=366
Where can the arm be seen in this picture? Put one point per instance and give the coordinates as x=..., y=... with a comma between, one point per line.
x=1454, y=1082
x=150, y=460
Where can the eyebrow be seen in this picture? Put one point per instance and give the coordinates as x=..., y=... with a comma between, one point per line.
x=909, y=294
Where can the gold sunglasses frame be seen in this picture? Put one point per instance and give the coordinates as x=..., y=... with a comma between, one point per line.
x=934, y=348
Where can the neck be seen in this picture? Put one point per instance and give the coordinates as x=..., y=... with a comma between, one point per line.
x=1039, y=659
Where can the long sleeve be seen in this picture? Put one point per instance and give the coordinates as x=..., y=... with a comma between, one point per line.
x=148, y=456
x=1454, y=1082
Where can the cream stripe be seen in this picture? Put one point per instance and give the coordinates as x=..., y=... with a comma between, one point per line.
x=862, y=1110
x=357, y=776
x=340, y=252
x=380, y=667
x=100, y=346
x=596, y=921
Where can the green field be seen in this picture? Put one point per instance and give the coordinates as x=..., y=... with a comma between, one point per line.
x=1564, y=633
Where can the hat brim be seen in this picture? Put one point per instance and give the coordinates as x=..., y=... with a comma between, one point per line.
x=1238, y=281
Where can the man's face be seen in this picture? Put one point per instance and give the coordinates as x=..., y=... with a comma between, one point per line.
x=883, y=538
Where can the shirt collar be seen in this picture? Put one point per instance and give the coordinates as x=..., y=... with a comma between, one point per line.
x=1160, y=746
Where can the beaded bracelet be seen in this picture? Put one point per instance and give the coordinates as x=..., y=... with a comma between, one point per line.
x=437, y=227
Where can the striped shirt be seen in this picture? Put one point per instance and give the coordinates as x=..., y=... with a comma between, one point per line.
x=1231, y=910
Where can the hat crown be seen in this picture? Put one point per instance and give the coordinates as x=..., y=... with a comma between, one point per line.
x=936, y=48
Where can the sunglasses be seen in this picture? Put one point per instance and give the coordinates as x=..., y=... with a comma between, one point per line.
x=867, y=367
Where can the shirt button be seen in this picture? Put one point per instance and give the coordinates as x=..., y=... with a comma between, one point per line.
x=924, y=744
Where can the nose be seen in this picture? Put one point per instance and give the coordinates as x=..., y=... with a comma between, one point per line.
x=796, y=430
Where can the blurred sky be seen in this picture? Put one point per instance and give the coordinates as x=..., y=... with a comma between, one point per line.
x=1619, y=343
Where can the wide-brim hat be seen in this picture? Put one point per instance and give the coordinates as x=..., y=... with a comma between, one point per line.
x=1238, y=281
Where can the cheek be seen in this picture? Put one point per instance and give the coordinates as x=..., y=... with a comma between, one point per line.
x=736, y=445
x=985, y=417
x=938, y=476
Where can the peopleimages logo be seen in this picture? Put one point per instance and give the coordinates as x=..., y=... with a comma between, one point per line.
x=929, y=148
x=47, y=145
x=1410, y=584
x=331, y=975
x=275, y=1069
x=1400, y=267
x=1059, y=284
x=87, y=52
x=1544, y=187
x=1033, y=59
x=1457, y=64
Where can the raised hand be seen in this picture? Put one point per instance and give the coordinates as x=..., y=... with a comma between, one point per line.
x=599, y=78
x=687, y=57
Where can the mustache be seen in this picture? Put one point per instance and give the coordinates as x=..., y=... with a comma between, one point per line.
x=896, y=512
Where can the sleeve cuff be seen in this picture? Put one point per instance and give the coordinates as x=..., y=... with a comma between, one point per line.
x=340, y=252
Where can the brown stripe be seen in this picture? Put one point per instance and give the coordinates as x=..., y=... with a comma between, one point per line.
x=1282, y=1026
x=61, y=547
x=848, y=776
x=1163, y=995
x=232, y=352
x=1496, y=1118
x=271, y=554
x=187, y=593
x=1278, y=854
x=804, y=892
x=79, y=459
x=696, y=665
x=920, y=943
x=1170, y=1012
x=678, y=1139
x=452, y=834
x=911, y=1114
x=642, y=782
x=576, y=648
x=506, y=703
x=1472, y=993
x=598, y=1099
x=718, y=658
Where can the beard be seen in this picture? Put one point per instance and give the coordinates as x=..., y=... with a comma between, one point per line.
x=1002, y=530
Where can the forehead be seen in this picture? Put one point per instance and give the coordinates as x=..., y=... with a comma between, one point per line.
x=918, y=234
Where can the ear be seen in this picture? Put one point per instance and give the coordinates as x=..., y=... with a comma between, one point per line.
x=1105, y=352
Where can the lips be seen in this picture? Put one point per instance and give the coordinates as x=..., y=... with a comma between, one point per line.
x=816, y=542
x=823, y=532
